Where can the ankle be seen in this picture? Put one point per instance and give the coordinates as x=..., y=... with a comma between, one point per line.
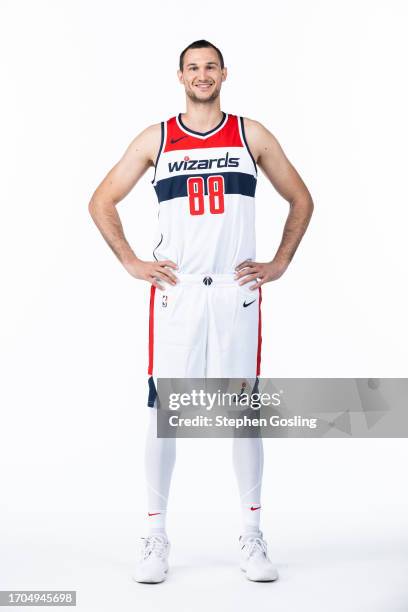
x=161, y=531
x=251, y=531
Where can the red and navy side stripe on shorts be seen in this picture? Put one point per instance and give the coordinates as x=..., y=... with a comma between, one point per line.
x=258, y=359
x=151, y=329
x=152, y=388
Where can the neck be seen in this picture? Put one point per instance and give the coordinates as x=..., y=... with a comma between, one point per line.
x=202, y=117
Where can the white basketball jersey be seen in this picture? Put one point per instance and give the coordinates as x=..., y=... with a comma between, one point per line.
x=205, y=184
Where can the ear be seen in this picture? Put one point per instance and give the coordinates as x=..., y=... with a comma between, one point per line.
x=180, y=76
x=224, y=72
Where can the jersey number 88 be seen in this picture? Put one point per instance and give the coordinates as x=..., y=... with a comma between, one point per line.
x=196, y=193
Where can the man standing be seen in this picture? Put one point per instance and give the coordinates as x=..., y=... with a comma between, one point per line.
x=205, y=297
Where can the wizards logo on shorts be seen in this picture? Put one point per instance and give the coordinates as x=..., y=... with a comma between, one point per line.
x=204, y=164
x=164, y=301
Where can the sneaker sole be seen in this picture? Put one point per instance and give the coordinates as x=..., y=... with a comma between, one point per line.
x=150, y=581
x=259, y=579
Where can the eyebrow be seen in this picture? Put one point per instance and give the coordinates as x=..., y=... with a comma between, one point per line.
x=195, y=64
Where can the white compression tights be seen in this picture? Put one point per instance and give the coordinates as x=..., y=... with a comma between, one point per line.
x=248, y=460
x=160, y=457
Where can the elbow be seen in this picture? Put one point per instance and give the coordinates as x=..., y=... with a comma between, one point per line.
x=310, y=205
x=95, y=205
x=307, y=208
x=304, y=203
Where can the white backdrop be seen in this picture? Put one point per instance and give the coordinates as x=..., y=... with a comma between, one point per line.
x=79, y=81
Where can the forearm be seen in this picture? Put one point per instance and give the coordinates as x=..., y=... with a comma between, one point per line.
x=300, y=212
x=106, y=218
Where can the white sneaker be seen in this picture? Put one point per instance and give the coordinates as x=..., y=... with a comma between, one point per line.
x=254, y=559
x=153, y=565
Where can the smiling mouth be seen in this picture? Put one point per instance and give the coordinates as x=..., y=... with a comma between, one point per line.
x=204, y=86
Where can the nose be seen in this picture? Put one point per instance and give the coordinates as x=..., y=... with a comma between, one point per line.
x=202, y=75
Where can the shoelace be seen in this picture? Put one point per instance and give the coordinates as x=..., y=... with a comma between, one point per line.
x=254, y=545
x=154, y=544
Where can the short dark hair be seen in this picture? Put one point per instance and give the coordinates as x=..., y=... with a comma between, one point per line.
x=199, y=44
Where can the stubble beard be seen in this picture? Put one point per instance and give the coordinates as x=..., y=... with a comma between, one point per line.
x=215, y=94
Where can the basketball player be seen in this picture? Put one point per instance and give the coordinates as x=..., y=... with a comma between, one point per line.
x=205, y=285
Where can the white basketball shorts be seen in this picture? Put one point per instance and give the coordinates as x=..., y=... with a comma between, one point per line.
x=205, y=326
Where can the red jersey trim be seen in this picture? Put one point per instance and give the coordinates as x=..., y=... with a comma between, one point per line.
x=178, y=139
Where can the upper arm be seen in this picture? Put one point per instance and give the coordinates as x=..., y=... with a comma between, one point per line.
x=272, y=160
x=138, y=157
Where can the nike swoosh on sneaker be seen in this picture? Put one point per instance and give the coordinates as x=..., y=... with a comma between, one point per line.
x=153, y=513
x=174, y=140
x=249, y=303
x=257, y=508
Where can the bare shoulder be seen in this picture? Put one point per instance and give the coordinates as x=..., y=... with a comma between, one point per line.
x=146, y=144
x=260, y=139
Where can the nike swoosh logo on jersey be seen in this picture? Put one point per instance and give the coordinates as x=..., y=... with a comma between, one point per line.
x=153, y=513
x=249, y=303
x=174, y=140
x=253, y=508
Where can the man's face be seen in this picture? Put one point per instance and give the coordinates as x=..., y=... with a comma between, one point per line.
x=202, y=75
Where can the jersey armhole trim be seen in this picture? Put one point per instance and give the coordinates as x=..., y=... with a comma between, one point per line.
x=242, y=130
x=160, y=150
